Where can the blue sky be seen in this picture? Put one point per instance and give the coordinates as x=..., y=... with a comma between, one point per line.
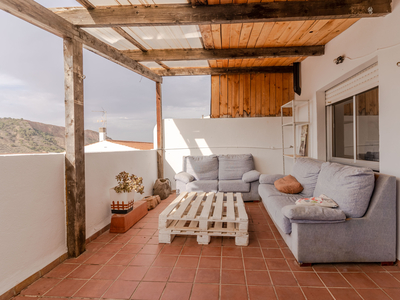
x=32, y=85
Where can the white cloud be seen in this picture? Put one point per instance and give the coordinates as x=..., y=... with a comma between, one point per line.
x=10, y=81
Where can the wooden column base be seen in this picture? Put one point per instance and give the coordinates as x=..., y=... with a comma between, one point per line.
x=122, y=223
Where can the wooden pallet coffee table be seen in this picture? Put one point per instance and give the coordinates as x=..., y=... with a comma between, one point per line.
x=205, y=215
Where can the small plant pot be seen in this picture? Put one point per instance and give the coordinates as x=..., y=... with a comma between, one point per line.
x=121, y=203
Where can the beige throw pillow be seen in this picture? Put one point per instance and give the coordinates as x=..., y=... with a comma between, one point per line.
x=288, y=185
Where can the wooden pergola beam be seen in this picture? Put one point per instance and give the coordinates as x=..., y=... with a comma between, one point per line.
x=241, y=53
x=280, y=11
x=220, y=71
x=86, y=3
x=44, y=18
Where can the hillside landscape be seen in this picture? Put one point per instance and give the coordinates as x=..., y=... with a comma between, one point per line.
x=23, y=136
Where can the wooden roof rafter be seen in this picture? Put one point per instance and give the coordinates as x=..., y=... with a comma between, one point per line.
x=220, y=71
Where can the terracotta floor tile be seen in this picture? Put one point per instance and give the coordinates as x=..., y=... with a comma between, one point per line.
x=232, y=251
x=191, y=241
x=289, y=293
x=177, y=291
x=147, y=232
x=81, y=258
x=205, y=292
x=191, y=250
x=333, y=280
x=106, y=237
x=151, y=249
x=66, y=288
x=121, y=259
x=271, y=243
x=287, y=253
x=294, y=266
x=207, y=276
x=84, y=272
x=40, y=286
x=187, y=262
x=395, y=275
x=157, y=274
x=140, y=239
x=216, y=241
x=261, y=293
x=94, y=288
x=133, y=231
x=178, y=241
x=254, y=263
x=182, y=275
x=272, y=253
x=277, y=264
x=111, y=248
x=135, y=273
x=130, y=249
x=61, y=271
x=232, y=277
x=228, y=241
x=109, y=272
x=232, y=263
x=384, y=280
x=258, y=278
x=149, y=290
x=344, y=294
x=308, y=279
x=283, y=278
x=153, y=241
x=210, y=262
x=394, y=268
x=373, y=294
x=211, y=251
x=281, y=243
x=346, y=268
x=314, y=293
x=325, y=268
x=171, y=250
x=265, y=235
x=371, y=267
x=233, y=292
x=99, y=258
x=359, y=280
x=253, y=243
x=165, y=261
x=252, y=252
x=121, y=289
x=394, y=293
x=94, y=246
x=143, y=260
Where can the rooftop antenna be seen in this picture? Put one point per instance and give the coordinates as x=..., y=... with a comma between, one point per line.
x=102, y=130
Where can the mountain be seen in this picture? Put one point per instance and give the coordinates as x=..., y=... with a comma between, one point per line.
x=23, y=136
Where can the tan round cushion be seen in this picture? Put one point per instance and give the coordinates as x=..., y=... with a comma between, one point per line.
x=288, y=185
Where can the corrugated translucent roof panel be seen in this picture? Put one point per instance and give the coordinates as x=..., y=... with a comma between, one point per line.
x=135, y=2
x=167, y=37
x=104, y=2
x=109, y=36
x=187, y=64
x=150, y=64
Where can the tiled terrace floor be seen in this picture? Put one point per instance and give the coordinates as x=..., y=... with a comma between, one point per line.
x=134, y=266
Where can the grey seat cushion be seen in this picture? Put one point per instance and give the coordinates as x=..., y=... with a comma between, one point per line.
x=266, y=190
x=270, y=178
x=306, y=171
x=201, y=167
x=202, y=186
x=313, y=213
x=233, y=166
x=350, y=187
x=233, y=186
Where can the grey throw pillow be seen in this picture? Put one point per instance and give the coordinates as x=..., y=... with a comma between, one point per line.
x=251, y=176
x=184, y=177
x=312, y=213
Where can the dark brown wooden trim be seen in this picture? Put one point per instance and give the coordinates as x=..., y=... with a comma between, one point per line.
x=160, y=133
x=280, y=11
x=87, y=4
x=74, y=146
x=202, y=54
x=42, y=17
x=130, y=39
x=219, y=71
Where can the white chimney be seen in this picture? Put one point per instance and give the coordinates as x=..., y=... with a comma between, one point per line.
x=102, y=134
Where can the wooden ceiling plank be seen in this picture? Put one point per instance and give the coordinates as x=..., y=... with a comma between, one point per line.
x=294, y=40
x=207, y=36
x=265, y=32
x=225, y=35
x=276, y=32
x=338, y=30
x=290, y=31
x=216, y=33
x=235, y=35
x=255, y=33
x=42, y=17
x=245, y=34
x=121, y=16
x=312, y=31
x=219, y=71
x=130, y=39
x=324, y=31
x=212, y=63
x=213, y=2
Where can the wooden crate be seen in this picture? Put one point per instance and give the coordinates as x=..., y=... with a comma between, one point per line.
x=205, y=215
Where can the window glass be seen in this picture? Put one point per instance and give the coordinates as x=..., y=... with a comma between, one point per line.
x=368, y=125
x=343, y=132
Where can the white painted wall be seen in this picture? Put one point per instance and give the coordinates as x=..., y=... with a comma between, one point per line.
x=101, y=169
x=367, y=40
x=32, y=215
x=259, y=136
x=32, y=199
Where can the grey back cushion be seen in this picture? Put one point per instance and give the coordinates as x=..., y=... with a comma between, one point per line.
x=306, y=171
x=350, y=187
x=201, y=167
x=233, y=166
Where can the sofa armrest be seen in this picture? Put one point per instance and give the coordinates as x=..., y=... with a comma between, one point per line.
x=251, y=176
x=270, y=178
x=184, y=177
x=312, y=214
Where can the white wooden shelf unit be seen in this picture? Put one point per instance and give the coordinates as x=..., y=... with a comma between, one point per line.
x=294, y=105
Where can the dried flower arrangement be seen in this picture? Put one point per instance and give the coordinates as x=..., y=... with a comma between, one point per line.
x=128, y=183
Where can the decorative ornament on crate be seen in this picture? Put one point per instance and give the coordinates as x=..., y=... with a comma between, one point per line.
x=122, y=194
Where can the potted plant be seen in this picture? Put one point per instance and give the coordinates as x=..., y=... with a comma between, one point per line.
x=122, y=194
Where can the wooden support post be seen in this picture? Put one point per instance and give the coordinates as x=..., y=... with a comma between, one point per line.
x=74, y=141
x=160, y=133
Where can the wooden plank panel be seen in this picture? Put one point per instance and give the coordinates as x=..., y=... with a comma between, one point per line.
x=213, y=63
x=246, y=95
x=230, y=94
x=342, y=27
x=195, y=206
x=225, y=35
x=241, y=209
x=205, y=213
x=206, y=34
x=285, y=92
x=216, y=34
x=305, y=27
x=235, y=35
x=289, y=32
x=313, y=31
x=255, y=33
x=217, y=215
x=184, y=204
x=223, y=98
x=235, y=95
x=230, y=207
x=272, y=86
x=278, y=93
x=245, y=34
x=264, y=34
x=241, y=94
x=253, y=95
x=265, y=104
x=276, y=32
x=259, y=92
x=215, y=96
x=330, y=26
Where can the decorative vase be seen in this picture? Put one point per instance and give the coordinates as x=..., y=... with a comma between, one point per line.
x=121, y=203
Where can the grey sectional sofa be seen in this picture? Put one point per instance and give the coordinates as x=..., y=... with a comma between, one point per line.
x=219, y=173
x=361, y=229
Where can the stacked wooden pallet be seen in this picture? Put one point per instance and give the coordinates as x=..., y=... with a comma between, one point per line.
x=205, y=215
